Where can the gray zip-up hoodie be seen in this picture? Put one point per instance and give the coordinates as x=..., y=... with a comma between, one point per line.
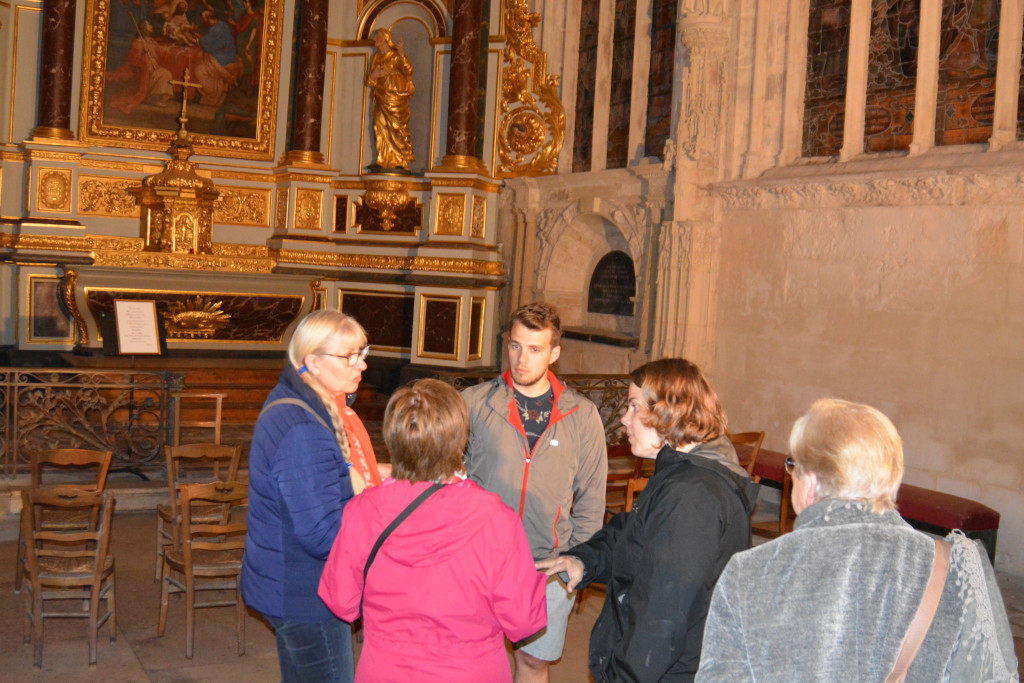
x=558, y=490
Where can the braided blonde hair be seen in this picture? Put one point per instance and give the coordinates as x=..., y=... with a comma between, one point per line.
x=315, y=333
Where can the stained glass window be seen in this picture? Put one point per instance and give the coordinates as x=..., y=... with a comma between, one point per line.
x=581, y=152
x=967, y=71
x=659, y=81
x=622, y=84
x=828, y=44
x=892, y=75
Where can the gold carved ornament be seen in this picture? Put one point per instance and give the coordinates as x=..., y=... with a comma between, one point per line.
x=450, y=214
x=106, y=197
x=308, y=208
x=67, y=296
x=195, y=318
x=532, y=127
x=55, y=189
x=387, y=198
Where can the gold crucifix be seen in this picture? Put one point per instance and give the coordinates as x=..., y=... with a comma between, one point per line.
x=185, y=85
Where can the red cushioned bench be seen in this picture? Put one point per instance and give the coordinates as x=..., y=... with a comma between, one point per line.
x=924, y=509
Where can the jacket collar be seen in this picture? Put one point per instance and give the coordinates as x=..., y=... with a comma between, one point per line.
x=709, y=459
x=289, y=377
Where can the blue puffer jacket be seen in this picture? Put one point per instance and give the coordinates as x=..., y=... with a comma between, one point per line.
x=298, y=487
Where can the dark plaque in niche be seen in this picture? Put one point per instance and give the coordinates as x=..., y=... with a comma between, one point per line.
x=440, y=334
x=476, y=329
x=340, y=213
x=386, y=317
x=613, y=285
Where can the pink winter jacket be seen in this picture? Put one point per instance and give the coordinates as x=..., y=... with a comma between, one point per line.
x=449, y=583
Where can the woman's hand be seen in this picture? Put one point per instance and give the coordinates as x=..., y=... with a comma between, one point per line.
x=572, y=566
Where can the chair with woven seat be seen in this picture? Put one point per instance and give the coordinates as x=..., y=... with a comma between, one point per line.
x=77, y=468
x=67, y=564
x=210, y=556
x=190, y=463
x=748, y=446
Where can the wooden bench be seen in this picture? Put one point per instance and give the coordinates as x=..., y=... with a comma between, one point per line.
x=924, y=509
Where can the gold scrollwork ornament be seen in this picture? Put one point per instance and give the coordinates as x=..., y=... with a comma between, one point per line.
x=532, y=127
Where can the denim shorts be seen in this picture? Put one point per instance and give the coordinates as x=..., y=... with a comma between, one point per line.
x=547, y=644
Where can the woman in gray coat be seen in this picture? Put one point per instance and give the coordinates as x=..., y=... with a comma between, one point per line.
x=834, y=600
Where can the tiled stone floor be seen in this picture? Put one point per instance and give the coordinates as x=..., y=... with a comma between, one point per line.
x=138, y=655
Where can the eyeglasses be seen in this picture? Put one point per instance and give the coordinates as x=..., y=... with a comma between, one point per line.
x=790, y=466
x=352, y=358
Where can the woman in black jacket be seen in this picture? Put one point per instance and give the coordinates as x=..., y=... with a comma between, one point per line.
x=661, y=559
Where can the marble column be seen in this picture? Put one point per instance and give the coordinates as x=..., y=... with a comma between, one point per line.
x=309, y=83
x=463, y=83
x=58, y=54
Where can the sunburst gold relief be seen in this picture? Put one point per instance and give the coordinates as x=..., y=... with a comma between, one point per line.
x=196, y=317
x=531, y=129
x=233, y=114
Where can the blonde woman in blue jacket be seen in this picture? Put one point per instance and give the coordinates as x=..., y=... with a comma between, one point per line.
x=300, y=479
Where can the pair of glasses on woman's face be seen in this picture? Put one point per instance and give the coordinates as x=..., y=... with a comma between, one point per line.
x=790, y=466
x=352, y=358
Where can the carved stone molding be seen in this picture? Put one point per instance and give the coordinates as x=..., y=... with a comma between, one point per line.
x=706, y=39
x=939, y=189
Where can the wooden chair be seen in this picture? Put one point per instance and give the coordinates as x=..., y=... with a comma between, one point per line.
x=748, y=455
x=633, y=488
x=210, y=557
x=54, y=468
x=218, y=410
x=67, y=564
x=195, y=463
x=622, y=466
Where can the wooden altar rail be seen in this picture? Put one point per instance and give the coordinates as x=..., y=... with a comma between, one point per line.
x=122, y=411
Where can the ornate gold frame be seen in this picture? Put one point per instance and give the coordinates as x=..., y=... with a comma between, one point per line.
x=93, y=130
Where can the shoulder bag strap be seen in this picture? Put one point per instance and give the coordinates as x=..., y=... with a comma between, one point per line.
x=429, y=491
x=295, y=402
x=925, y=613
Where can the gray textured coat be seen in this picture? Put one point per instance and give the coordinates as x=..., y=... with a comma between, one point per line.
x=832, y=601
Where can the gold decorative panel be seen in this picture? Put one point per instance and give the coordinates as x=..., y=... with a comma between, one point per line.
x=281, y=218
x=476, y=327
x=451, y=210
x=103, y=196
x=242, y=206
x=54, y=190
x=308, y=208
x=478, y=222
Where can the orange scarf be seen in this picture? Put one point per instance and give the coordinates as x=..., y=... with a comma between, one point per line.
x=360, y=448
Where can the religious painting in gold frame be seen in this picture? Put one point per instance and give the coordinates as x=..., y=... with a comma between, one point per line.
x=133, y=51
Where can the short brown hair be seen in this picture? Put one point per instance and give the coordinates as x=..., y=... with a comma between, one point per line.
x=426, y=429
x=539, y=316
x=853, y=449
x=683, y=406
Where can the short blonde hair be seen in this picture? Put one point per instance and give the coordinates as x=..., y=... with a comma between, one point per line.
x=853, y=449
x=318, y=329
x=426, y=429
x=683, y=406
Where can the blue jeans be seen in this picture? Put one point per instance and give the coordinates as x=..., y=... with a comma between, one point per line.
x=314, y=653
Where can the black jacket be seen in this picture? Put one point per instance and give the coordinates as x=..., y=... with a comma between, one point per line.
x=661, y=562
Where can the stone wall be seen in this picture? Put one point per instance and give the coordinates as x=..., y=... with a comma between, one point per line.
x=903, y=289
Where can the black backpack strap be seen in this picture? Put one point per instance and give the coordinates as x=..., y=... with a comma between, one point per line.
x=429, y=491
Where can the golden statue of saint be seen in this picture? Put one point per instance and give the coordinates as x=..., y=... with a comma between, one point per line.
x=390, y=79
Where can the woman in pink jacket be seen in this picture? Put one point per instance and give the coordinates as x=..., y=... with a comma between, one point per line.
x=454, y=578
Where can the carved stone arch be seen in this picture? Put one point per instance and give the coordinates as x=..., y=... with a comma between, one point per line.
x=435, y=16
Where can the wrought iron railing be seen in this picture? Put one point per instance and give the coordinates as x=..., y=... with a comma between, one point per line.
x=608, y=392
x=124, y=412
